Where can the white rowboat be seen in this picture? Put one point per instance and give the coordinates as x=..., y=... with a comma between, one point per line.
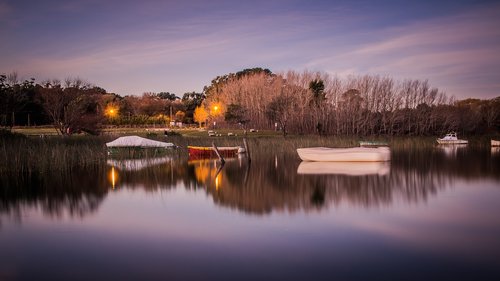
x=354, y=154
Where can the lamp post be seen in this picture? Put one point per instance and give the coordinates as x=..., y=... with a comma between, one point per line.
x=215, y=110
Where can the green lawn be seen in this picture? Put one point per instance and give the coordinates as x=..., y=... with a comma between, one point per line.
x=35, y=131
x=188, y=132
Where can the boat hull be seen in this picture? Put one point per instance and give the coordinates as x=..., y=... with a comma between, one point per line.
x=355, y=154
x=209, y=152
x=440, y=141
x=451, y=138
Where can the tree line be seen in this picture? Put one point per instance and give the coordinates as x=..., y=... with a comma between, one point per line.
x=74, y=105
x=318, y=103
x=292, y=102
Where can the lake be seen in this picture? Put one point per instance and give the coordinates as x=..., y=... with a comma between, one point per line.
x=431, y=213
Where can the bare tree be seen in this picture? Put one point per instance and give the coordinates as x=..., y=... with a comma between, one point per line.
x=72, y=108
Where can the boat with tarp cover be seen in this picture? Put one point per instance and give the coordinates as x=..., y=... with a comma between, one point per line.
x=137, y=146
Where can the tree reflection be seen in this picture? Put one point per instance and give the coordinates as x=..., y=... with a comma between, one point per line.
x=74, y=193
x=270, y=183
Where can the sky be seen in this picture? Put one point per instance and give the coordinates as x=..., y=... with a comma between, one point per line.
x=132, y=47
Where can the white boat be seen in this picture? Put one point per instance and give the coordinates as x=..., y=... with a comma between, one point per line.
x=495, y=143
x=134, y=146
x=451, y=138
x=343, y=168
x=138, y=142
x=354, y=154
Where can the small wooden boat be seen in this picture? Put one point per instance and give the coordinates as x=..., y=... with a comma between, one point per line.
x=209, y=152
x=495, y=143
x=451, y=138
x=354, y=154
x=373, y=143
x=344, y=168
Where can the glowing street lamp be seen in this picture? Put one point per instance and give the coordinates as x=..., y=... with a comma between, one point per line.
x=216, y=109
x=111, y=111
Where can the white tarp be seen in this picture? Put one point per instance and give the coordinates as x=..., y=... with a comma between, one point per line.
x=135, y=141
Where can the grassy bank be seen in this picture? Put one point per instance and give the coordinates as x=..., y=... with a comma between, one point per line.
x=26, y=151
x=29, y=154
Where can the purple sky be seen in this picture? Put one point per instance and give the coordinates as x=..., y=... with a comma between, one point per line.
x=131, y=47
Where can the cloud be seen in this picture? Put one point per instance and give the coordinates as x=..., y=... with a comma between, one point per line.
x=450, y=51
x=178, y=39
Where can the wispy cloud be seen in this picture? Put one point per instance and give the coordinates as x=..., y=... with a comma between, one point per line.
x=449, y=51
x=164, y=42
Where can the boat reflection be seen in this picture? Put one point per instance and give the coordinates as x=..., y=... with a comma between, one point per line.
x=451, y=150
x=211, y=173
x=495, y=150
x=343, y=168
x=137, y=164
x=207, y=172
x=149, y=173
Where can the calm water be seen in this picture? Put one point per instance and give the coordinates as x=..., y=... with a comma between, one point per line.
x=429, y=214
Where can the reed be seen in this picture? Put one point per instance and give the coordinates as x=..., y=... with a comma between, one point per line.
x=34, y=154
x=30, y=154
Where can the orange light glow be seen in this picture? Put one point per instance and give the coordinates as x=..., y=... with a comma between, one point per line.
x=218, y=180
x=111, y=111
x=216, y=109
x=113, y=177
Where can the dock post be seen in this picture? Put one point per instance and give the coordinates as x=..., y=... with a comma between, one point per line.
x=218, y=153
x=247, y=150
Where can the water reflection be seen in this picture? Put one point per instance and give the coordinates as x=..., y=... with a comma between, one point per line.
x=495, y=150
x=270, y=183
x=344, y=168
x=138, y=164
x=75, y=194
x=451, y=149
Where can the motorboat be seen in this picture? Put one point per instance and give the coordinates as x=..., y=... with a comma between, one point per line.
x=353, y=154
x=451, y=138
